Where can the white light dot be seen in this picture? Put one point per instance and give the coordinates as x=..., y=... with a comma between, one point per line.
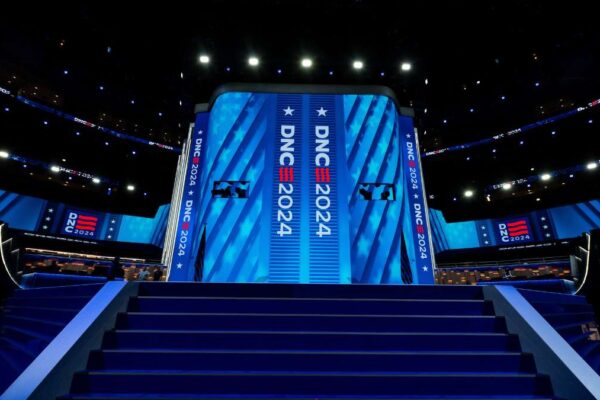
x=6, y=109
x=554, y=132
x=4, y=154
x=358, y=65
x=45, y=122
x=521, y=142
x=545, y=177
x=306, y=63
x=590, y=121
x=106, y=143
x=445, y=121
x=592, y=165
x=426, y=81
x=132, y=101
x=469, y=193
x=77, y=133
x=204, y=59
x=506, y=186
x=131, y=188
x=55, y=168
x=502, y=97
x=101, y=87
x=330, y=73
x=96, y=180
x=537, y=84
x=538, y=199
x=406, y=66
x=478, y=82
x=253, y=61
x=66, y=72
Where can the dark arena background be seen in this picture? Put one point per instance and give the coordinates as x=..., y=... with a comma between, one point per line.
x=290, y=200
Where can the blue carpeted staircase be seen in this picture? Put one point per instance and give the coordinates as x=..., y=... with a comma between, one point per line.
x=30, y=319
x=572, y=317
x=200, y=341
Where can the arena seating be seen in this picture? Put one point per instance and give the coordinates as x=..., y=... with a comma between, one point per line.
x=31, y=318
x=573, y=318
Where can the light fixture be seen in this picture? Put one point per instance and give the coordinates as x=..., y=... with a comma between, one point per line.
x=306, y=63
x=469, y=193
x=253, y=61
x=406, y=66
x=96, y=180
x=131, y=188
x=55, y=168
x=4, y=154
x=506, y=186
x=538, y=199
x=204, y=59
x=545, y=177
x=358, y=65
x=592, y=165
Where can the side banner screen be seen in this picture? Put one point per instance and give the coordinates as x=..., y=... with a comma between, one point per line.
x=301, y=188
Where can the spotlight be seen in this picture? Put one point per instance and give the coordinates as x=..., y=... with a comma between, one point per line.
x=131, y=188
x=4, y=154
x=469, y=193
x=506, y=186
x=358, y=65
x=406, y=66
x=545, y=177
x=204, y=59
x=592, y=165
x=96, y=180
x=253, y=61
x=306, y=63
x=55, y=168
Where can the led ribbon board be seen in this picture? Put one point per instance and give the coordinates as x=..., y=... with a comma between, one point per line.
x=301, y=188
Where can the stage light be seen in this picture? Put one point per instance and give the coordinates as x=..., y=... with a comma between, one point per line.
x=306, y=63
x=506, y=186
x=406, y=66
x=426, y=81
x=382, y=74
x=330, y=73
x=55, y=168
x=45, y=122
x=77, y=133
x=204, y=59
x=96, y=180
x=131, y=188
x=469, y=193
x=445, y=121
x=66, y=72
x=279, y=71
x=592, y=165
x=590, y=121
x=478, y=82
x=358, y=65
x=537, y=84
x=6, y=109
x=159, y=114
x=545, y=177
x=553, y=132
x=101, y=87
x=538, y=199
x=521, y=142
x=132, y=101
x=4, y=154
x=64, y=160
x=471, y=110
x=502, y=97
x=253, y=61
x=133, y=152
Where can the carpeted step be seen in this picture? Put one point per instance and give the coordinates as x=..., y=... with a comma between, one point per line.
x=309, y=306
x=311, y=322
x=312, y=384
x=303, y=340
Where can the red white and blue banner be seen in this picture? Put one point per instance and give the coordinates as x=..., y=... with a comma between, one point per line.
x=183, y=253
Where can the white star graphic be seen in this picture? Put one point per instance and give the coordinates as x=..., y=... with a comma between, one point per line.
x=110, y=229
x=109, y=237
x=191, y=192
x=425, y=269
x=288, y=111
x=51, y=210
x=45, y=227
x=416, y=196
x=545, y=226
x=543, y=218
x=408, y=135
x=179, y=265
x=483, y=227
x=485, y=235
x=486, y=242
x=322, y=112
x=113, y=221
x=48, y=218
